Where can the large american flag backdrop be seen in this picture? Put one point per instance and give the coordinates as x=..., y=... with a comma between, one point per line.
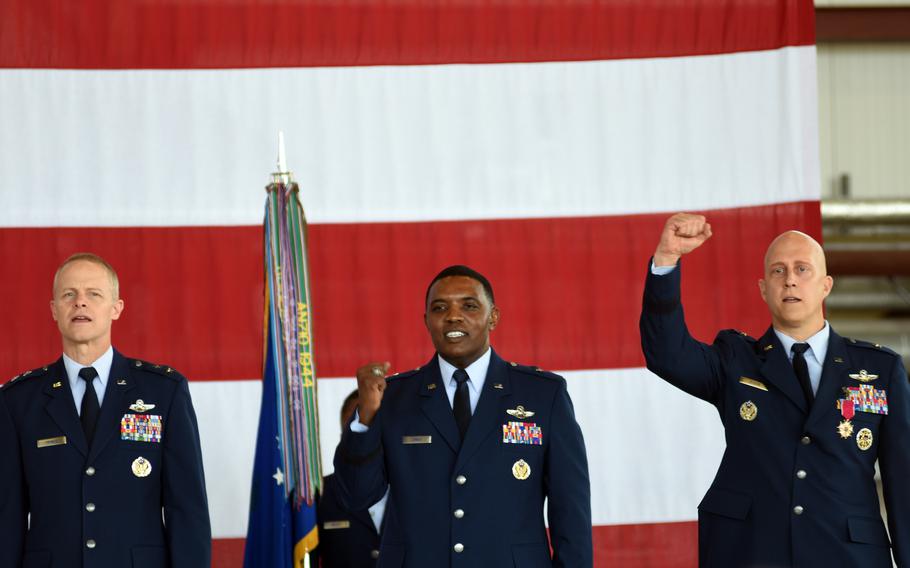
x=542, y=143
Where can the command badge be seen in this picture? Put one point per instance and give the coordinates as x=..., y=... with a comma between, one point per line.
x=748, y=411
x=521, y=470
x=141, y=467
x=864, y=439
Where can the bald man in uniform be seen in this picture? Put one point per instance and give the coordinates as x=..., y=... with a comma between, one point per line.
x=806, y=412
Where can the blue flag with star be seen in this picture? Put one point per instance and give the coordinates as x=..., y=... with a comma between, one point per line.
x=287, y=471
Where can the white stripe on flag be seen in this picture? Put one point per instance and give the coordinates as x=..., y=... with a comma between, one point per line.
x=411, y=143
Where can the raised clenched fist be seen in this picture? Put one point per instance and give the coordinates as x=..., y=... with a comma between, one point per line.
x=683, y=233
x=371, y=384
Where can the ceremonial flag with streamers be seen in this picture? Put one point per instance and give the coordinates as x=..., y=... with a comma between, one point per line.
x=287, y=469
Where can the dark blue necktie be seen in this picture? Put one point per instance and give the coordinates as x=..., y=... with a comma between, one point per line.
x=461, y=406
x=90, y=407
x=802, y=371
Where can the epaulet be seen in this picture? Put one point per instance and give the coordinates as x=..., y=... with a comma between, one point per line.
x=870, y=345
x=402, y=375
x=534, y=371
x=18, y=379
x=740, y=334
x=156, y=368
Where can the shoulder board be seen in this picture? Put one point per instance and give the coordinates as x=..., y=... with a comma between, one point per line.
x=39, y=372
x=402, y=375
x=740, y=334
x=156, y=368
x=534, y=371
x=870, y=345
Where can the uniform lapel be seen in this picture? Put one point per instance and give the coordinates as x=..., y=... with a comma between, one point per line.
x=435, y=404
x=61, y=407
x=778, y=370
x=486, y=416
x=829, y=387
x=118, y=383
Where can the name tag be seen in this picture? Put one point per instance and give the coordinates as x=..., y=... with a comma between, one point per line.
x=48, y=442
x=753, y=383
x=334, y=525
x=416, y=440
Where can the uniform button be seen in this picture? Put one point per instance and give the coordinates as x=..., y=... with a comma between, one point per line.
x=806, y=440
x=458, y=547
x=90, y=543
x=461, y=480
x=801, y=474
x=90, y=507
x=458, y=513
x=374, y=554
x=89, y=471
x=798, y=510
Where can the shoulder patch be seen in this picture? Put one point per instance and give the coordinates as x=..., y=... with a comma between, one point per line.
x=870, y=345
x=534, y=371
x=156, y=368
x=39, y=372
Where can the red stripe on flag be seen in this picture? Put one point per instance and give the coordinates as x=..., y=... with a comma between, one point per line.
x=105, y=34
x=657, y=545
x=569, y=289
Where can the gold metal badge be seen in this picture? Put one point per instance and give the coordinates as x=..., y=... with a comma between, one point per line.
x=864, y=439
x=863, y=376
x=753, y=383
x=519, y=412
x=140, y=406
x=141, y=467
x=768, y=347
x=335, y=525
x=497, y=386
x=57, y=385
x=121, y=382
x=845, y=429
x=521, y=470
x=748, y=411
x=431, y=386
x=48, y=442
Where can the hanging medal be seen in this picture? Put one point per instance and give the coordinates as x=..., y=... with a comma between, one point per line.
x=847, y=410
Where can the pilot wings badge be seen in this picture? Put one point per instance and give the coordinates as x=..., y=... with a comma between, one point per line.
x=519, y=412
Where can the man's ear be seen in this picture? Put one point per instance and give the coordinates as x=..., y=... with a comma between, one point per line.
x=494, y=318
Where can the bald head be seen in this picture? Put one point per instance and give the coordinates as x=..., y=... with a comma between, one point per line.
x=796, y=284
x=798, y=240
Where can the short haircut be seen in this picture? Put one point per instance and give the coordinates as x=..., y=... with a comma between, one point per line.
x=348, y=401
x=94, y=259
x=462, y=270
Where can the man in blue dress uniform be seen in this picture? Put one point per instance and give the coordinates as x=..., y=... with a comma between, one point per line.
x=347, y=539
x=101, y=463
x=469, y=447
x=806, y=412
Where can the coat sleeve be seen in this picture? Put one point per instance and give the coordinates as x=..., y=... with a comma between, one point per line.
x=670, y=351
x=13, y=495
x=894, y=463
x=568, y=488
x=186, y=511
x=360, y=466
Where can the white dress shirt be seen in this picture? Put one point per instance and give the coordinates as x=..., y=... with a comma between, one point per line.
x=77, y=385
x=814, y=355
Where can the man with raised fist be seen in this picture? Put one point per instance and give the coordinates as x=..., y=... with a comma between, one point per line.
x=807, y=413
x=469, y=447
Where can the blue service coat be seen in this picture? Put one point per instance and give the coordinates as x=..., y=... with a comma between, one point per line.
x=347, y=539
x=791, y=490
x=88, y=508
x=470, y=505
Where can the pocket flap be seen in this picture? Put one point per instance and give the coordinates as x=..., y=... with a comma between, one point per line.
x=867, y=530
x=726, y=503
